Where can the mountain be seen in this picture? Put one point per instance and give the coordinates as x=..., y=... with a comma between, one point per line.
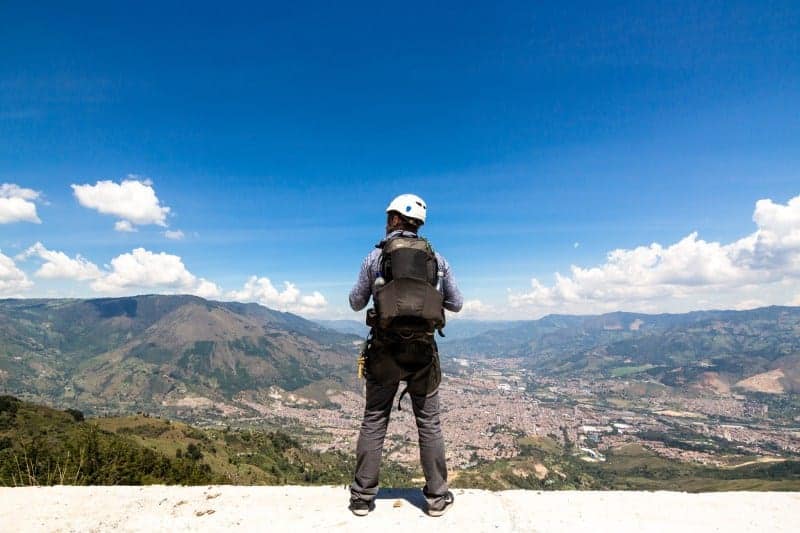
x=458, y=328
x=464, y=328
x=756, y=350
x=155, y=349
x=158, y=352
x=351, y=327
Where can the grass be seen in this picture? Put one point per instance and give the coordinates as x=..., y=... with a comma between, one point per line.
x=544, y=444
x=622, y=371
x=39, y=445
x=620, y=402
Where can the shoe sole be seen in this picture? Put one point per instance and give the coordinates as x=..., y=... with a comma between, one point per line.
x=439, y=512
x=448, y=501
x=360, y=512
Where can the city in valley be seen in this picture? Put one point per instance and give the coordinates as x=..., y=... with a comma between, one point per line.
x=488, y=406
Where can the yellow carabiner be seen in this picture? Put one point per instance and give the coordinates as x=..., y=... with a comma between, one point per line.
x=361, y=364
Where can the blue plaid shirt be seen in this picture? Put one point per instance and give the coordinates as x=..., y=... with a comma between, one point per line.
x=371, y=267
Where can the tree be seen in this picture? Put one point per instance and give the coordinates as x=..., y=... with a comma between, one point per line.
x=193, y=452
x=76, y=414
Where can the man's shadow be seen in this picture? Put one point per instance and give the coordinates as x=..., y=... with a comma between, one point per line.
x=412, y=496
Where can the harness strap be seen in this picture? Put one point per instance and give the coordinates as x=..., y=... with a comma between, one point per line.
x=400, y=399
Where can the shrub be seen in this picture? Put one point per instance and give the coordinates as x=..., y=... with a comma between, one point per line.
x=76, y=414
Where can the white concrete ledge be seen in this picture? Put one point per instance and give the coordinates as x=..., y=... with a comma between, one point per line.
x=322, y=509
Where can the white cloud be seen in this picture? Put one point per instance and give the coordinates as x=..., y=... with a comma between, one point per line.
x=124, y=226
x=176, y=235
x=753, y=303
x=315, y=300
x=139, y=270
x=576, y=244
x=133, y=201
x=474, y=309
x=17, y=204
x=13, y=281
x=12, y=190
x=205, y=289
x=58, y=265
x=688, y=274
x=262, y=291
x=143, y=269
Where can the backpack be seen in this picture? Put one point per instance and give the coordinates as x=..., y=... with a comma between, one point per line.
x=409, y=301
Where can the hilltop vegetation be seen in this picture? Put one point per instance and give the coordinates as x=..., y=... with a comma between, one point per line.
x=44, y=446
x=41, y=446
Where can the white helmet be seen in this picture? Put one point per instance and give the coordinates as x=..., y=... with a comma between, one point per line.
x=409, y=205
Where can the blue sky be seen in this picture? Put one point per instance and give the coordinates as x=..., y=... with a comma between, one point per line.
x=542, y=138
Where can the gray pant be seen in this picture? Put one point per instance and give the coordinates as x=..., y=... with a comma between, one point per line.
x=369, y=449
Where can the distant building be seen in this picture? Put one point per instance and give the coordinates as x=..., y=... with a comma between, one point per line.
x=594, y=429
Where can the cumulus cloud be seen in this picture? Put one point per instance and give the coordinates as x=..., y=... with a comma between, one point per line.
x=138, y=270
x=143, y=269
x=124, y=226
x=17, y=204
x=13, y=281
x=262, y=291
x=133, y=201
x=688, y=274
x=12, y=190
x=176, y=235
x=753, y=303
x=474, y=309
x=58, y=265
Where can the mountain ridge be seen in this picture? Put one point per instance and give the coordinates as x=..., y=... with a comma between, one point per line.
x=166, y=351
x=674, y=348
x=151, y=349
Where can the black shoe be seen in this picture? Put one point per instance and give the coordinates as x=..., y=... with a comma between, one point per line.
x=360, y=507
x=443, y=505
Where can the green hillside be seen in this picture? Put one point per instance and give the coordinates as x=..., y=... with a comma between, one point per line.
x=44, y=446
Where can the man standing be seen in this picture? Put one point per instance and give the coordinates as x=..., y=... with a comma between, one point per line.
x=411, y=285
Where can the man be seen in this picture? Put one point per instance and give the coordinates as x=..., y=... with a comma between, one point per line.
x=411, y=285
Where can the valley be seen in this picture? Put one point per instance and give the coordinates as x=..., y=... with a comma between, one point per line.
x=489, y=409
x=557, y=403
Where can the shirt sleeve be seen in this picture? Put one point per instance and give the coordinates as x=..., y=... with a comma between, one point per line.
x=453, y=300
x=362, y=290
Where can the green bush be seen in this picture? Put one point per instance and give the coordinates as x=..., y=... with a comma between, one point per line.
x=76, y=415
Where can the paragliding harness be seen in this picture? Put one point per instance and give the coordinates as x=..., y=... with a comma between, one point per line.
x=408, y=310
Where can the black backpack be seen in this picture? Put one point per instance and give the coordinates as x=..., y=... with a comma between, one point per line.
x=409, y=301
